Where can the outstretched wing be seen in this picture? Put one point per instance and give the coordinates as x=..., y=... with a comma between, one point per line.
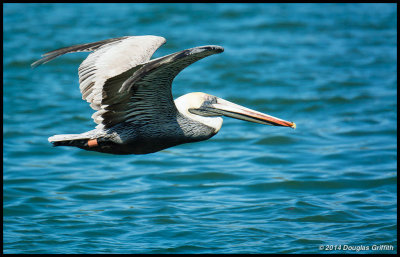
x=143, y=93
x=121, y=82
x=110, y=58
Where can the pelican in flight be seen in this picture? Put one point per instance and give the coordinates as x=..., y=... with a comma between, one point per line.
x=131, y=94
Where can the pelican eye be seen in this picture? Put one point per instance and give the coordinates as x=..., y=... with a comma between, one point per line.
x=211, y=100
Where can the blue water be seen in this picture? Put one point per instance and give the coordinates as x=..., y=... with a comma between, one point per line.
x=330, y=184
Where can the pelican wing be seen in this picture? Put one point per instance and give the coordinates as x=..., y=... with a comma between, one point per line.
x=143, y=93
x=120, y=81
x=110, y=58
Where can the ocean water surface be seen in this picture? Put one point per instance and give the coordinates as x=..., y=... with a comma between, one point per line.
x=328, y=186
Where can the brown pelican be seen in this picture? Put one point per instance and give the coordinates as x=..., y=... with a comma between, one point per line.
x=131, y=95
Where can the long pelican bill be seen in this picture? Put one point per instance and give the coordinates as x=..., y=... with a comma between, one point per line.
x=229, y=109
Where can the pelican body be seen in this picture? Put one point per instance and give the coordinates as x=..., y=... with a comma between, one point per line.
x=131, y=94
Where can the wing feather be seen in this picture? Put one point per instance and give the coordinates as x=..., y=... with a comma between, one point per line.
x=110, y=58
x=89, y=47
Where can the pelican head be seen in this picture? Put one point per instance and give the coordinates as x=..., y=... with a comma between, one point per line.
x=208, y=110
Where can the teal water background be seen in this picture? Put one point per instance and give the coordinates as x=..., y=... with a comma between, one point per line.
x=332, y=182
